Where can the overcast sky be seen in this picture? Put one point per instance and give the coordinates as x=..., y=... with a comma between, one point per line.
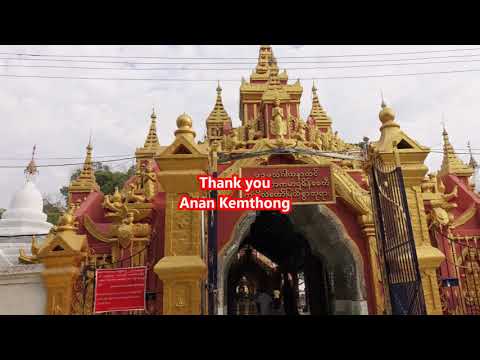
x=58, y=114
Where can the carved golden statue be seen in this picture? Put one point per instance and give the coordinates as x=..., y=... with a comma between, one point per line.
x=67, y=220
x=125, y=230
x=113, y=202
x=301, y=133
x=279, y=124
x=250, y=132
x=149, y=180
x=132, y=195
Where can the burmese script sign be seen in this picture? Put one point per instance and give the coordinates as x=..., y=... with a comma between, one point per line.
x=120, y=289
x=303, y=184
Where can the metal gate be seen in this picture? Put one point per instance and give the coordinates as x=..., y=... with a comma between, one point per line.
x=459, y=274
x=396, y=245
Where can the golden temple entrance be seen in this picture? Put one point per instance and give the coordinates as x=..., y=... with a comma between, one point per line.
x=279, y=267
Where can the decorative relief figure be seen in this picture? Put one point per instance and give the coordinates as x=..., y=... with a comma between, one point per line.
x=279, y=125
x=149, y=181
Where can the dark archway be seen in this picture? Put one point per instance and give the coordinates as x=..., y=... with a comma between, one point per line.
x=312, y=240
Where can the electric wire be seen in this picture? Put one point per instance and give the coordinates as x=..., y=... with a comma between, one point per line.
x=126, y=159
x=235, y=58
x=238, y=63
x=57, y=67
x=234, y=80
x=59, y=165
x=62, y=158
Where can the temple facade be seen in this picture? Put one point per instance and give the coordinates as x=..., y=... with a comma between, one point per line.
x=321, y=258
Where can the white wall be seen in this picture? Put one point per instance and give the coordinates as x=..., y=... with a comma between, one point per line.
x=22, y=291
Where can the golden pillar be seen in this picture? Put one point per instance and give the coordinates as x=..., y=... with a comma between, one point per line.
x=396, y=147
x=182, y=270
x=368, y=230
x=62, y=255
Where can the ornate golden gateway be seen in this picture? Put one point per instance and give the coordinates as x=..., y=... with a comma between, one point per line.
x=270, y=118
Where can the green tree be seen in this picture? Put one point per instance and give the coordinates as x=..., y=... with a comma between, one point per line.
x=2, y=210
x=106, y=178
x=53, y=209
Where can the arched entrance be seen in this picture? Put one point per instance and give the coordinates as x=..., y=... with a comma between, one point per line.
x=312, y=253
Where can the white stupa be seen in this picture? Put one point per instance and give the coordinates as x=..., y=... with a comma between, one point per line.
x=24, y=217
x=22, y=291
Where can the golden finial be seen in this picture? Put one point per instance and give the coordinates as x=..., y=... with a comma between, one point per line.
x=153, y=116
x=386, y=114
x=90, y=139
x=219, y=89
x=314, y=88
x=184, y=125
x=184, y=121
x=31, y=169
x=383, y=105
x=473, y=163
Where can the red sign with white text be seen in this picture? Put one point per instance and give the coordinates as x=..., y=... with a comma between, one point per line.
x=120, y=289
x=303, y=184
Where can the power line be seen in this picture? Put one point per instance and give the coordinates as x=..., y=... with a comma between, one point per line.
x=236, y=58
x=62, y=158
x=233, y=80
x=232, y=69
x=58, y=165
x=133, y=157
x=235, y=63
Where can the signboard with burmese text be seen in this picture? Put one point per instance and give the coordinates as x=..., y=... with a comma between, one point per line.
x=303, y=184
x=120, y=289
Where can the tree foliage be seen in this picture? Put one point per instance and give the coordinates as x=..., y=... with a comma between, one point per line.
x=2, y=210
x=53, y=209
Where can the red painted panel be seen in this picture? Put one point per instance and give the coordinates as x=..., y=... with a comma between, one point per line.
x=120, y=289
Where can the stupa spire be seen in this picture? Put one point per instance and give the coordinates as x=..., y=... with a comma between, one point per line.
x=218, y=114
x=451, y=164
x=473, y=163
x=218, y=118
x=152, y=138
x=31, y=169
x=85, y=182
x=317, y=112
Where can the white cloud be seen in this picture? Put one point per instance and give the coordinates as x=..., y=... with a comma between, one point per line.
x=58, y=114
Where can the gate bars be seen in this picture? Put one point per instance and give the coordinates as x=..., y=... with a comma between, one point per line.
x=395, y=240
x=459, y=274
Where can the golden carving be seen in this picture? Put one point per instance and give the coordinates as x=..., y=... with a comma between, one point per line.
x=279, y=124
x=25, y=259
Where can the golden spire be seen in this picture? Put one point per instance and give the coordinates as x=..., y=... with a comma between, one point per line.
x=263, y=59
x=152, y=138
x=473, y=163
x=318, y=113
x=85, y=182
x=273, y=80
x=218, y=114
x=31, y=169
x=451, y=164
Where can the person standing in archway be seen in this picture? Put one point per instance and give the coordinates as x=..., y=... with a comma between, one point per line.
x=264, y=302
x=289, y=299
